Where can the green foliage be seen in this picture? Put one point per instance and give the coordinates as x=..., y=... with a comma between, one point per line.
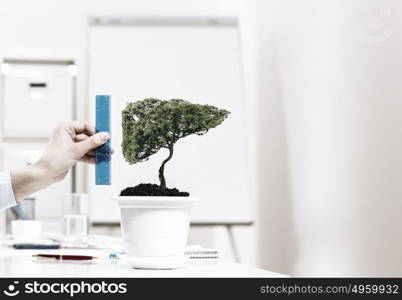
x=152, y=124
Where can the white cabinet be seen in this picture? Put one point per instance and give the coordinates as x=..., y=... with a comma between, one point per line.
x=36, y=96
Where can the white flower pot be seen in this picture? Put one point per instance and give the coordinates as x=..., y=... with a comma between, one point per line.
x=155, y=230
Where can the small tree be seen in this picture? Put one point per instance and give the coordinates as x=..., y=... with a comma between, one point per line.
x=152, y=124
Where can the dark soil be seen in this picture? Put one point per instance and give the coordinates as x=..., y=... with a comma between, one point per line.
x=149, y=189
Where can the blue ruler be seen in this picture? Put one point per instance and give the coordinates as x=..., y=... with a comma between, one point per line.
x=103, y=153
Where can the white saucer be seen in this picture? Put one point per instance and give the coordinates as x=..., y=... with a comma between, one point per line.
x=157, y=263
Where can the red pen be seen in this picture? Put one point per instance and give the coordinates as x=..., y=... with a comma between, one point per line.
x=64, y=257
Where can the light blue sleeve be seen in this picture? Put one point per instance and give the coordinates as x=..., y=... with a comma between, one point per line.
x=7, y=198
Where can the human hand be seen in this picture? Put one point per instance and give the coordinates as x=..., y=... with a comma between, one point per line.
x=70, y=142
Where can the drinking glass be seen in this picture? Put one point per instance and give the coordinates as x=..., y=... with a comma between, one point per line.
x=75, y=221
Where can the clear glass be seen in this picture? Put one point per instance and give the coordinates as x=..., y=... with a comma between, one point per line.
x=75, y=221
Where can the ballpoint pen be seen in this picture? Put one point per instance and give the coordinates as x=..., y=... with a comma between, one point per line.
x=64, y=257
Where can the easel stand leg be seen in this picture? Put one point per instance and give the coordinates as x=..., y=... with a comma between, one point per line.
x=232, y=242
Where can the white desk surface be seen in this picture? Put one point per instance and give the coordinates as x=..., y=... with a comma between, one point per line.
x=19, y=263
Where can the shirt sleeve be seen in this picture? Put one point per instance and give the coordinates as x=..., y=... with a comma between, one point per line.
x=7, y=198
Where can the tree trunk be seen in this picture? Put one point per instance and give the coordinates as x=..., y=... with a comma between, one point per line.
x=162, y=169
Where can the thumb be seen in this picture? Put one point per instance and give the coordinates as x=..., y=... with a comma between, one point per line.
x=94, y=141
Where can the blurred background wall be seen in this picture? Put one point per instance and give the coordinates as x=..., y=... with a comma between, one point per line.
x=338, y=72
x=323, y=96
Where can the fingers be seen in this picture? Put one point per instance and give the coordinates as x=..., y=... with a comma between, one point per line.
x=79, y=127
x=91, y=153
x=88, y=159
x=91, y=143
x=81, y=137
x=75, y=128
x=83, y=126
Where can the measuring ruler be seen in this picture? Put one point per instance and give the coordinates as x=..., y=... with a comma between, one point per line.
x=103, y=153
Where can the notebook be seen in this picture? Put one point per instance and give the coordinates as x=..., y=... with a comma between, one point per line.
x=197, y=252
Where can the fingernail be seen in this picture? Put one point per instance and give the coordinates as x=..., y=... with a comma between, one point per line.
x=104, y=136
